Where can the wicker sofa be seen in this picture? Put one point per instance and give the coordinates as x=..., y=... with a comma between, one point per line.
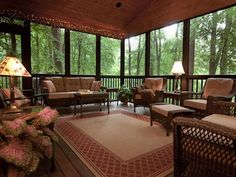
x=60, y=90
x=206, y=147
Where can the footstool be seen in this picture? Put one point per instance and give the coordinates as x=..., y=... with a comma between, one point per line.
x=165, y=113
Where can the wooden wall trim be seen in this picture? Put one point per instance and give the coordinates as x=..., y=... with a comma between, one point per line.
x=147, y=55
x=98, y=57
x=122, y=62
x=67, y=52
x=163, y=13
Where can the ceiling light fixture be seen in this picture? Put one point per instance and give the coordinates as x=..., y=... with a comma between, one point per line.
x=118, y=4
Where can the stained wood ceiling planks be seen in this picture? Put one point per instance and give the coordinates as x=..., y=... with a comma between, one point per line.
x=104, y=17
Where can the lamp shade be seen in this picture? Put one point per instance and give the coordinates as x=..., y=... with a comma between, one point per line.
x=11, y=66
x=177, y=68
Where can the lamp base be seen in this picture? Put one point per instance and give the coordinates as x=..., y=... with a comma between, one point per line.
x=11, y=109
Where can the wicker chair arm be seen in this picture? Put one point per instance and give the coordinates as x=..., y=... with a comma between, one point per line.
x=159, y=95
x=203, y=126
x=212, y=99
x=195, y=145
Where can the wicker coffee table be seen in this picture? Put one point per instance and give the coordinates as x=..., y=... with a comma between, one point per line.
x=90, y=97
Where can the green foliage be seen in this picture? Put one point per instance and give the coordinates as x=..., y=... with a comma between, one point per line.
x=124, y=93
x=47, y=49
x=82, y=53
x=110, y=56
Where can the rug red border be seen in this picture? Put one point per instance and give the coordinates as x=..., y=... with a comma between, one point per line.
x=106, y=163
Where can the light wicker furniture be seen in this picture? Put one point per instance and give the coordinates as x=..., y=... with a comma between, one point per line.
x=203, y=148
x=165, y=113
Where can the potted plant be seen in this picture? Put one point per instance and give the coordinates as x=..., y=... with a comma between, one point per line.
x=124, y=94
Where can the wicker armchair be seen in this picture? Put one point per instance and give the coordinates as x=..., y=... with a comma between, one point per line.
x=206, y=149
x=215, y=89
x=151, y=91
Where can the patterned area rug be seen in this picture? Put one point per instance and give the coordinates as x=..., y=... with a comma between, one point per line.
x=118, y=145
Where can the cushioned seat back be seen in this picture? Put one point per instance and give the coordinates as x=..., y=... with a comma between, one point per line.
x=58, y=83
x=48, y=84
x=72, y=84
x=218, y=86
x=17, y=94
x=86, y=82
x=154, y=83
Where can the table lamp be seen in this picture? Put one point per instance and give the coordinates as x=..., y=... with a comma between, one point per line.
x=177, y=70
x=11, y=66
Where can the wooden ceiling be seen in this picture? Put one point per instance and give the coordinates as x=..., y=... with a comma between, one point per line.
x=104, y=17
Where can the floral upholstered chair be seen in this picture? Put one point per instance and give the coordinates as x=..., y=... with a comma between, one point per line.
x=20, y=100
x=215, y=89
x=151, y=91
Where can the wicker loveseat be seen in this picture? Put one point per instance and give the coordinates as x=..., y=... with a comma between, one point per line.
x=206, y=147
x=60, y=90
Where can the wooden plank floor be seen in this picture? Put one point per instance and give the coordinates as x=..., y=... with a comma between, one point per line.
x=66, y=163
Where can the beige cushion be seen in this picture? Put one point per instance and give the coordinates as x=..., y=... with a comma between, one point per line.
x=220, y=119
x=61, y=95
x=17, y=94
x=72, y=83
x=153, y=83
x=218, y=86
x=86, y=82
x=166, y=108
x=49, y=85
x=96, y=85
x=58, y=83
x=196, y=103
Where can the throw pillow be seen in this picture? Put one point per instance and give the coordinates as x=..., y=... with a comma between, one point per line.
x=96, y=85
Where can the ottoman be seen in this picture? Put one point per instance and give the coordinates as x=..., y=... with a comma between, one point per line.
x=165, y=113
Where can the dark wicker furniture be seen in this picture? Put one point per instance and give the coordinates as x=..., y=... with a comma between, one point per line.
x=205, y=149
x=165, y=113
x=215, y=89
x=151, y=91
x=91, y=97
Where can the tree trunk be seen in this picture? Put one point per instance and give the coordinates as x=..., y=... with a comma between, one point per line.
x=176, y=57
x=139, y=56
x=79, y=54
x=129, y=58
x=213, y=58
x=37, y=54
x=58, y=48
x=157, y=41
x=224, y=56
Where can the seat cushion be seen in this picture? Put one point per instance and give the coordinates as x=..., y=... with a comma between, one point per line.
x=220, y=119
x=164, y=109
x=218, y=86
x=199, y=104
x=61, y=95
x=153, y=83
x=72, y=84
